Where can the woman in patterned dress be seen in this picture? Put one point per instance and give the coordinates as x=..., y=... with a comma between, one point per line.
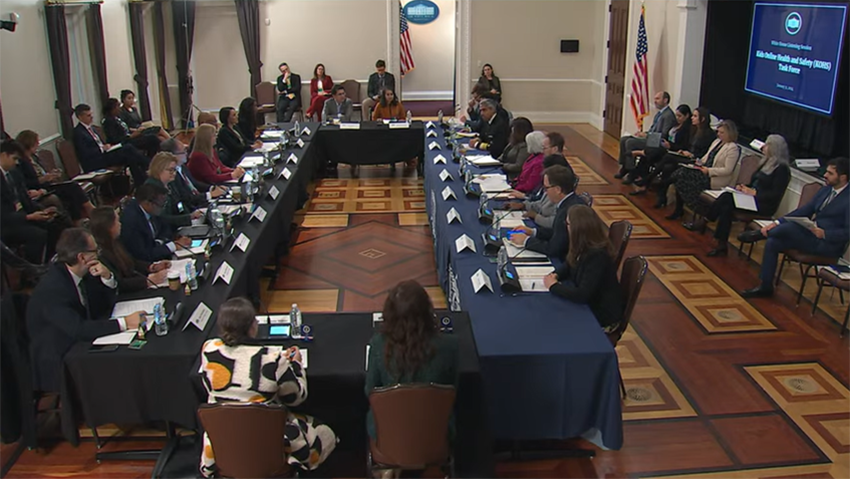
x=230, y=374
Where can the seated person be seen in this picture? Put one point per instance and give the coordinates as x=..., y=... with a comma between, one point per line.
x=132, y=274
x=472, y=119
x=491, y=82
x=22, y=221
x=231, y=144
x=95, y=154
x=389, y=107
x=409, y=347
x=204, y=163
x=531, y=176
x=678, y=138
x=117, y=131
x=288, y=93
x=559, y=183
x=515, y=154
x=338, y=106
x=829, y=209
x=767, y=185
x=714, y=171
x=163, y=173
x=143, y=233
x=320, y=90
x=36, y=177
x=537, y=206
x=495, y=131
x=130, y=115
x=589, y=275
x=247, y=121
x=71, y=303
x=378, y=82
x=236, y=369
x=188, y=190
x=663, y=120
x=204, y=118
x=701, y=139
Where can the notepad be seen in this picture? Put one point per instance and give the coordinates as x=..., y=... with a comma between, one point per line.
x=123, y=338
x=126, y=308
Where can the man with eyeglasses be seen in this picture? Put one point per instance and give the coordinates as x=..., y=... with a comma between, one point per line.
x=143, y=233
x=71, y=303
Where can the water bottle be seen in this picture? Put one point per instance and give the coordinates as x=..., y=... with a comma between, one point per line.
x=295, y=322
x=217, y=219
x=191, y=276
x=409, y=116
x=297, y=128
x=440, y=116
x=159, y=323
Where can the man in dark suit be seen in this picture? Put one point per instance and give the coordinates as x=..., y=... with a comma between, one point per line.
x=71, y=303
x=23, y=221
x=377, y=82
x=145, y=236
x=662, y=122
x=338, y=106
x=185, y=189
x=288, y=93
x=830, y=211
x=559, y=183
x=495, y=130
x=94, y=154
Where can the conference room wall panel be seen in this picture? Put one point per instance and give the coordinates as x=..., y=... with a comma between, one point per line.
x=565, y=100
x=219, y=68
x=120, y=68
x=433, y=55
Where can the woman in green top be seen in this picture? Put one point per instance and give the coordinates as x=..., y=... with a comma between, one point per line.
x=409, y=347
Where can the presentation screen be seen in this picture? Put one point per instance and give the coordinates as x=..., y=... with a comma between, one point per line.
x=794, y=53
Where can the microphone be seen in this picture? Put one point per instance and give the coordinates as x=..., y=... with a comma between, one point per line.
x=492, y=237
x=485, y=215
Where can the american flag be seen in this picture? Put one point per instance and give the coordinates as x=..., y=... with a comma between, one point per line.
x=405, y=47
x=640, y=82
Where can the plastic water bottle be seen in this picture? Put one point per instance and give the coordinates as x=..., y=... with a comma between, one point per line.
x=191, y=276
x=440, y=116
x=297, y=128
x=409, y=116
x=159, y=323
x=295, y=322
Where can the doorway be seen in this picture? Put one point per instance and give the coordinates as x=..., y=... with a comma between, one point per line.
x=615, y=79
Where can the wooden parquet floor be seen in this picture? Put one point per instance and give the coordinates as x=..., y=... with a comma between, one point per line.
x=717, y=386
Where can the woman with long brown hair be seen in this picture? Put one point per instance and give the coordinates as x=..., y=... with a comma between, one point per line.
x=132, y=274
x=514, y=156
x=320, y=90
x=589, y=275
x=409, y=347
x=204, y=163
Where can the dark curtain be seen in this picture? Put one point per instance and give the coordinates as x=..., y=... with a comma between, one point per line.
x=137, y=35
x=248, y=12
x=94, y=26
x=162, y=81
x=183, y=17
x=57, y=35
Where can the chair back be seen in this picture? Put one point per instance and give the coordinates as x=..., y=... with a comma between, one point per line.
x=411, y=423
x=748, y=167
x=68, y=157
x=17, y=372
x=47, y=160
x=247, y=439
x=265, y=94
x=619, y=233
x=634, y=272
x=808, y=192
x=352, y=90
x=586, y=197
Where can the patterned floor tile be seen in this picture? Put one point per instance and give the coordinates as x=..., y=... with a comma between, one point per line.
x=814, y=471
x=324, y=221
x=367, y=195
x=613, y=208
x=717, y=307
x=309, y=301
x=588, y=177
x=412, y=219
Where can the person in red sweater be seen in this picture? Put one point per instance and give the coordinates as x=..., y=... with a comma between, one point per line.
x=320, y=90
x=531, y=176
x=204, y=164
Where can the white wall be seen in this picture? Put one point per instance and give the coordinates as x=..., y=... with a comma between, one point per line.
x=433, y=56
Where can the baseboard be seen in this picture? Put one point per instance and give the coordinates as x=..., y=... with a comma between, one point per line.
x=597, y=121
x=558, y=116
x=427, y=96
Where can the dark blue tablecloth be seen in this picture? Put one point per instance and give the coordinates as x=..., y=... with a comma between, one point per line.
x=549, y=371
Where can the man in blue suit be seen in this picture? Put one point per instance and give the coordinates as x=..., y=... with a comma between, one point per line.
x=144, y=234
x=94, y=153
x=829, y=209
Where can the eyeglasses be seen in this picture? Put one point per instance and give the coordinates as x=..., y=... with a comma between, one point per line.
x=550, y=186
x=97, y=251
x=171, y=170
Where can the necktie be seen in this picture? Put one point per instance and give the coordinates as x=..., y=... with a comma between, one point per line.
x=96, y=137
x=339, y=108
x=655, y=121
x=828, y=200
x=186, y=180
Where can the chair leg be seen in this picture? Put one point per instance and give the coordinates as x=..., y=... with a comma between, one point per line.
x=844, y=326
x=96, y=438
x=817, y=297
x=841, y=295
x=622, y=388
x=805, y=276
x=779, y=273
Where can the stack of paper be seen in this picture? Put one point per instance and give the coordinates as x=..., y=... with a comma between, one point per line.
x=123, y=338
x=178, y=266
x=511, y=220
x=531, y=277
x=842, y=275
x=518, y=253
x=126, y=308
x=492, y=183
x=483, y=160
x=91, y=174
x=187, y=252
x=273, y=319
x=251, y=161
x=464, y=134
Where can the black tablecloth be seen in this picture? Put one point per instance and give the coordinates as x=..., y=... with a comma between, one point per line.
x=373, y=144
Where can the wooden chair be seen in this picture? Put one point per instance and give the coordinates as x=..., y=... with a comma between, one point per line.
x=806, y=194
x=827, y=277
x=586, y=197
x=71, y=165
x=266, y=101
x=248, y=439
x=808, y=264
x=412, y=426
x=634, y=272
x=352, y=91
x=48, y=161
x=619, y=233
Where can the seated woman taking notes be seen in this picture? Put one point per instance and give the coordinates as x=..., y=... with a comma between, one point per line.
x=389, y=107
x=589, y=275
x=234, y=368
x=204, y=163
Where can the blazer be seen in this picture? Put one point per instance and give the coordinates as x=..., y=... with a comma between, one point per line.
x=679, y=139
x=56, y=320
x=701, y=142
x=770, y=188
x=663, y=121
x=131, y=117
x=373, y=89
x=327, y=84
x=186, y=191
x=329, y=111
x=389, y=112
x=88, y=152
x=174, y=211
x=555, y=242
x=496, y=133
x=593, y=281
x=834, y=219
x=722, y=171
x=232, y=144
x=137, y=237
x=27, y=168
x=128, y=281
x=294, y=86
x=514, y=157
x=116, y=130
x=210, y=172
x=531, y=176
x=248, y=128
x=13, y=192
